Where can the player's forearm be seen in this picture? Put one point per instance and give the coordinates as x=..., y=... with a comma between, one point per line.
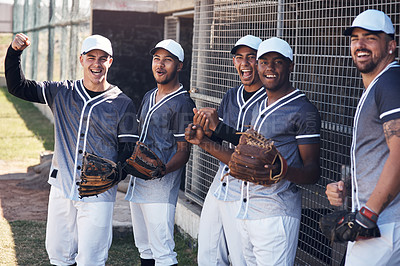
x=310, y=172
x=180, y=158
x=306, y=175
x=388, y=186
x=227, y=133
x=215, y=149
x=16, y=82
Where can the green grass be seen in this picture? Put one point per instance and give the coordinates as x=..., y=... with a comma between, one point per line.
x=24, y=131
x=5, y=40
x=23, y=243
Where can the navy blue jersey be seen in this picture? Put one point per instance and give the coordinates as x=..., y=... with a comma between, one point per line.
x=81, y=124
x=236, y=113
x=289, y=122
x=161, y=126
x=380, y=103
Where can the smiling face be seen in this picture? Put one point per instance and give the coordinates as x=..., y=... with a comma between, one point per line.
x=274, y=70
x=246, y=65
x=370, y=50
x=95, y=68
x=165, y=67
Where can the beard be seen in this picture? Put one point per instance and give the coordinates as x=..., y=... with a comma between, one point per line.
x=366, y=67
x=168, y=78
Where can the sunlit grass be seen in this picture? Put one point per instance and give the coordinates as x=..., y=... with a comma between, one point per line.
x=24, y=133
x=18, y=140
x=7, y=245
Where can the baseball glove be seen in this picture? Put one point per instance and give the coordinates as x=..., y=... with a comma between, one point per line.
x=343, y=226
x=144, y=163
x=251, y=154
x=98, y=175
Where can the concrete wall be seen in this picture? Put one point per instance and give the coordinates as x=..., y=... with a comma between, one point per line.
x=172, y=6
x=125, y=5
x=6, y=11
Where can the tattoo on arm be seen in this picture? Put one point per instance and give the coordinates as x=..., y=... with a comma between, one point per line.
x=391, y=128
x=387, y=202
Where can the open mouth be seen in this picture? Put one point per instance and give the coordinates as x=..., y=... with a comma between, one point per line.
x=270, y=76
x=160, y=72
x=96, y=72
x=247, y=73
x=362, y=54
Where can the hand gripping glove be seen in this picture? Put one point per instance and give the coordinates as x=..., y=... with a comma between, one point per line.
x=251, y=154
x=343, y=226
x=98, y=175
x=144, y=163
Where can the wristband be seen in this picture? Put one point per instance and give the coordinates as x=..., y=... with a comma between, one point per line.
x=366, y=217
x=370, y=214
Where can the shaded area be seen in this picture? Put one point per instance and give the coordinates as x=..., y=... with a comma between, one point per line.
x=311, y=239
x=34, y=120
x=29, y=238
x=20, y=203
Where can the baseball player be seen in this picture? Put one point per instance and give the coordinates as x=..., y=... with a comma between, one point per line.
x=90, y=115
x=218, y=233
x=164, y=113
x=375, y=150
x=269, y=217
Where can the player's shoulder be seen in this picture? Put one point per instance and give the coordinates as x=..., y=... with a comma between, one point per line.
x=63, y=83
x=184, y=97
x=390, y=79
x=304, y=104
x=148, y=93
x=233, y=91
x=119, y=99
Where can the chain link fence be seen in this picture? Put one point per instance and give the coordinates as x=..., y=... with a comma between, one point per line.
x=56, y=29
x=323, y=70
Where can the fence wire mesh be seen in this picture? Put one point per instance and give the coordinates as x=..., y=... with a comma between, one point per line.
x=323, y=70
x=56, y=29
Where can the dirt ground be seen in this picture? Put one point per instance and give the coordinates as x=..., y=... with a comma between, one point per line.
x=23, y=194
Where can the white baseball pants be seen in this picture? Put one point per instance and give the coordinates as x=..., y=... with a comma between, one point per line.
x=270, y=241
x=153, y=231
x=384, y=250
x=219, y=234
x=78, y=232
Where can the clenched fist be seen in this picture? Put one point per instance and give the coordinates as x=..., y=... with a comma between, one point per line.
x=20, y=42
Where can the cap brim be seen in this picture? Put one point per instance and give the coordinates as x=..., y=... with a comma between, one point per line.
x=152, y=52
x=348, y=31
x=234, y=49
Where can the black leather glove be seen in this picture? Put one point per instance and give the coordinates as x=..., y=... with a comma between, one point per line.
x=343, y=226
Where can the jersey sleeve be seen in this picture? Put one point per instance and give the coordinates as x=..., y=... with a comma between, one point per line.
x=49, y=90
x=387, y=95
x=17, y=84
x=220, y=110
x=308, y=125
x=29, y=90
x=181, y=118
x=128, y=126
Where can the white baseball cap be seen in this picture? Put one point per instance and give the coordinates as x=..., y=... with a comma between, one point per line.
x=96, y=42
x=249, y=40
x=372, y=20
x=171, y=46
x=277, y=45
